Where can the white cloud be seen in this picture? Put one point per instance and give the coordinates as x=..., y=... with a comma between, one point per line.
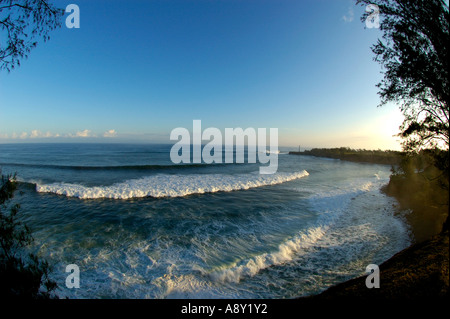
x=22, y=135
x=37, y=134
x=349, y=16
x=110, y=133
x=85, y=133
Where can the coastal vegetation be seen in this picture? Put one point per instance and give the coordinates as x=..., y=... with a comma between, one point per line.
x=413, y=53
x=356, y=155
x=22, y=274
x=23, y=23
x=418, y=181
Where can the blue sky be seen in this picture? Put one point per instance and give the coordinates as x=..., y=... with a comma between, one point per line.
x=135, y=70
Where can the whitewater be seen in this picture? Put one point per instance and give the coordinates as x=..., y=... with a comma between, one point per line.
x=171, y=185
x=138, y=226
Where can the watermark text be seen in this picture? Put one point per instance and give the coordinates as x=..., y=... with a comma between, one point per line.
x=235, y=142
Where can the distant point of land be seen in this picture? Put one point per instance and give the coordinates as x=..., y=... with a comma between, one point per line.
x=353, y=155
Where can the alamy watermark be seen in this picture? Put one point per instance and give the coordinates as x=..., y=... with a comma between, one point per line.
x=73, y=19
x=73, y=279
x=212, y=152
x=373, y=279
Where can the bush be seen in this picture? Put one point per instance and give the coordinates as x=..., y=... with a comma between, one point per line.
x=22, y=275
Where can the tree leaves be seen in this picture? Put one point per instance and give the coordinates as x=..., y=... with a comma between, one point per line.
x=413, y=54
x=22, y=22
x=21, y=275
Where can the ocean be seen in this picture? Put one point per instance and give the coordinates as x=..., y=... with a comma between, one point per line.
x=139, y=226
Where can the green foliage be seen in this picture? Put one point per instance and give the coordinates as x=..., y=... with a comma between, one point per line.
x=421, y=183
x=430, y=164
x=360, y=155
x=21, y=23
x=21, y=275
x=413, y=54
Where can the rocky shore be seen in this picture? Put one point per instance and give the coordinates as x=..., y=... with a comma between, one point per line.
x=419, y=272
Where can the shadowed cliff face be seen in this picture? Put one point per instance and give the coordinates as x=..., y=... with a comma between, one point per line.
x=420, y=184
x=427, y=202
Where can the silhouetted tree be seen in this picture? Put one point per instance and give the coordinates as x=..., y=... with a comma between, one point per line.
x=413, y=53
x=22, y=275
x=22, y=22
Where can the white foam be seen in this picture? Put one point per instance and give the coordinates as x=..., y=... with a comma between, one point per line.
x=331, y=207
x=164, y=185
x=285, y=253
x=354, y=226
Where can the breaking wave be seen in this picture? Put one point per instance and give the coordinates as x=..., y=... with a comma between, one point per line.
x=165, y=185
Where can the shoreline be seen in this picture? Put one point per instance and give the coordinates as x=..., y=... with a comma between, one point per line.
x=420, y=271
x=424, y=222
x=358, y=156
x=424, y=217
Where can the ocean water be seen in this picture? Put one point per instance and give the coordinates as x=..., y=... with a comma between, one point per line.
x=139, y=226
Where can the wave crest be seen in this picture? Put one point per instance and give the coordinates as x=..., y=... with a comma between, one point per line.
x=285, y=253
x=164, y=185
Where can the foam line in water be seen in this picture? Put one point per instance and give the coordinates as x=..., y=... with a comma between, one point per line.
x=164, y=185
x=328, y=231
x=286, y=251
